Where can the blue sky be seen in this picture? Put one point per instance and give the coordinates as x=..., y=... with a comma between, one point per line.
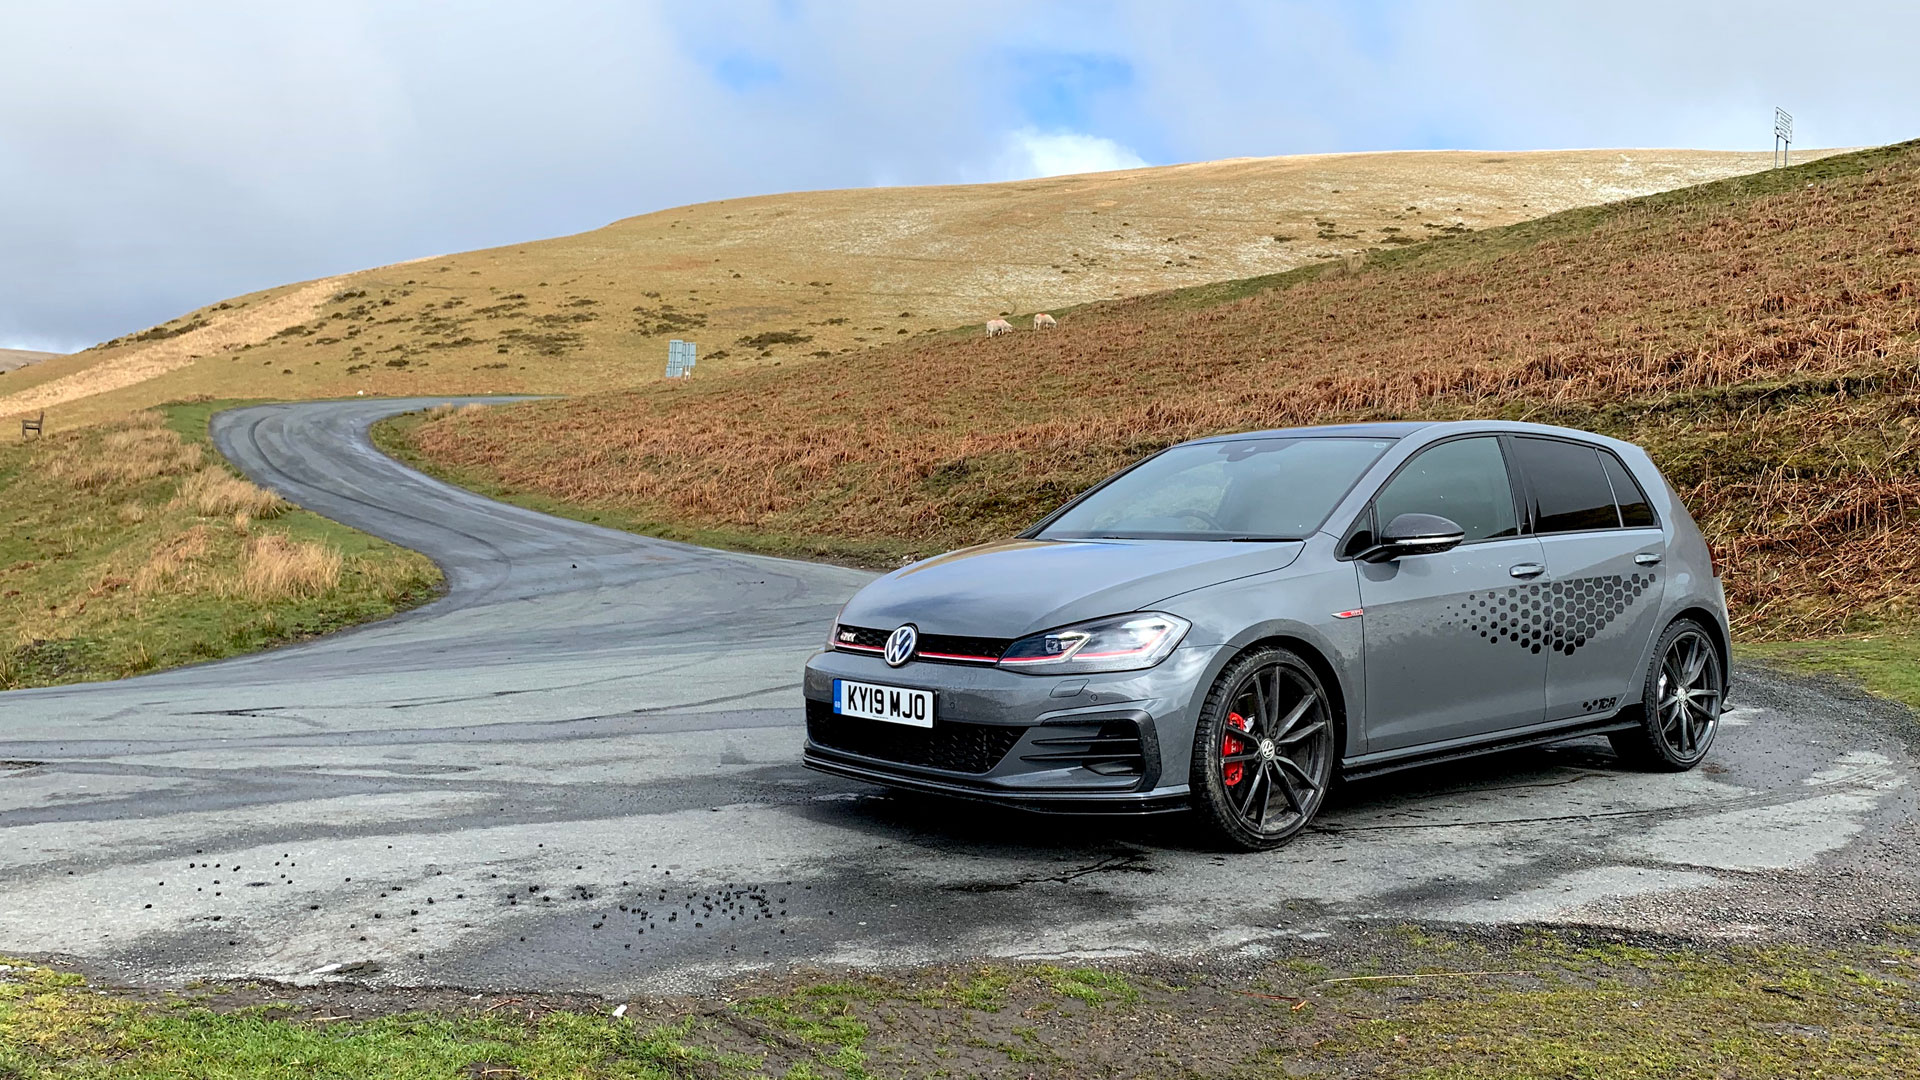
x=155, y=157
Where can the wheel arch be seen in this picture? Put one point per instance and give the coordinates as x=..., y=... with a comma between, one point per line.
x=1316, y=659
x=1716, y=632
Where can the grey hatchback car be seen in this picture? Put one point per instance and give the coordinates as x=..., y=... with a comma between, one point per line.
x=1233, y=622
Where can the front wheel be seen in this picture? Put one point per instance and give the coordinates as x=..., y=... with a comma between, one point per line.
x=1264, y=750
x=1680, y=702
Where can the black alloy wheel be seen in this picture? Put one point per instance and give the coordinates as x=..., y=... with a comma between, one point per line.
x=1681, y=700
x=1264, y=750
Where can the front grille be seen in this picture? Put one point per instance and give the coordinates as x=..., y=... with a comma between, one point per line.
x=934, y=648
x=1110, y=749
x=948, y=744
x=860, y=637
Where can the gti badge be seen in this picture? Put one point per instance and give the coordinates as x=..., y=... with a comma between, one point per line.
x=901, y=645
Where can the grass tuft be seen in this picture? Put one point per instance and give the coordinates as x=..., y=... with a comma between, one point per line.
x=273, y=567
x=215, y=492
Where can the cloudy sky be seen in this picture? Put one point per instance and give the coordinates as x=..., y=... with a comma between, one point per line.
x=157, y=156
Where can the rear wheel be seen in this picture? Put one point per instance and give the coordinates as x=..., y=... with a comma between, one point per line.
x=1680, y=702
x=1263, y=752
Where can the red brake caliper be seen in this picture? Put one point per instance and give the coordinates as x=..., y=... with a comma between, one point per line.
x=1231, y=746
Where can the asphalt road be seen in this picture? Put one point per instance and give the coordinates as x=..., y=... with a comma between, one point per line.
x=579, y=770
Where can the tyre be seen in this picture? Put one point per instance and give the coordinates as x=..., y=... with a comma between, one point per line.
x=1263, y=751
x=1680, y=702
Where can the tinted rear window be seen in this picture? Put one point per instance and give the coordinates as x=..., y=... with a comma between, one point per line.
x=1570, y=489
x=1635, y=511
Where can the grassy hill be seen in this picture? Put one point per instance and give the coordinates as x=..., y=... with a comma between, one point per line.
x=1757, y=334
x=15, y=359
x=781, y=279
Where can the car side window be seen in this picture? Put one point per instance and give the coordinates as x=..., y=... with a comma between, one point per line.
x=1635, y=511
x=1570, y=489
x=1464, y=480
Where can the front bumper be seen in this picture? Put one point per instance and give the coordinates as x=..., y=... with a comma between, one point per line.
x=1116, y=742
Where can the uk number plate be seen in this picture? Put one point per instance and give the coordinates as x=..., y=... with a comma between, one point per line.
x=894, y=704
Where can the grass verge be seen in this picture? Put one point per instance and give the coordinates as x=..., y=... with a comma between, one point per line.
x=1885, y=664
x=1399, y=1002
x=131, y=547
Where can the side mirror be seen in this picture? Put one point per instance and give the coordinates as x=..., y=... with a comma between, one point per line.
x=1415, y=534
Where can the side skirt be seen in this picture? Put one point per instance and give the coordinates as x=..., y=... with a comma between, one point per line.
x=1369, y=765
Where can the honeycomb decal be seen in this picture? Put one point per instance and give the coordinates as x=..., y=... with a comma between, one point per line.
x=1560, y=615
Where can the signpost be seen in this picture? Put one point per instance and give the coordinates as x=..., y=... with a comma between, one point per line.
x=680, y=358
x=1782, y=136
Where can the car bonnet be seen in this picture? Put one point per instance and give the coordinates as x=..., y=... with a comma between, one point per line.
x=1017, y=587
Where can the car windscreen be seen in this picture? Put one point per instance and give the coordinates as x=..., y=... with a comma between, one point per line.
x=1243, y=489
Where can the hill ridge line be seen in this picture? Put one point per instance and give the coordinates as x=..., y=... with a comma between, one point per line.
x=244, y=327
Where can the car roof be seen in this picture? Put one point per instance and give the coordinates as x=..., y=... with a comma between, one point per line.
x=1400, y=429
x=1386, y=429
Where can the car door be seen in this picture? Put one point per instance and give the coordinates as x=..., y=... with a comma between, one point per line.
x=1604, y=552
x=1452, y=639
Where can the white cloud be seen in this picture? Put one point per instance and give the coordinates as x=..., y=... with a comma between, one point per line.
x=1031, y=153
x=159, y=157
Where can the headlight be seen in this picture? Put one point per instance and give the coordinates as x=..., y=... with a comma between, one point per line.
x=833, y=629
x=1118, y=643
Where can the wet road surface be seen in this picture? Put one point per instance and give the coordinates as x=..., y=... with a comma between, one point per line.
x=579, y=770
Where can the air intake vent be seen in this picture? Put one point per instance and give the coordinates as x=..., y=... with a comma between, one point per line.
x=1110, y=749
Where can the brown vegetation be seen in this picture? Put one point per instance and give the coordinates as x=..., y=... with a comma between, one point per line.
x=1758, y=335
x=215, y=491
x=172, y=560
x=273, y=567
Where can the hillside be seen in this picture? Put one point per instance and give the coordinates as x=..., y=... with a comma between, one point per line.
x=15, y=359
x=1758, y=335
x=784, y=278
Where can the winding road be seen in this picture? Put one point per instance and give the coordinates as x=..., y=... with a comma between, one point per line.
x=579, y=771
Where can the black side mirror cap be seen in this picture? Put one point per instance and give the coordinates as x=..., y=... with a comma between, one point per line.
x=1415, y=534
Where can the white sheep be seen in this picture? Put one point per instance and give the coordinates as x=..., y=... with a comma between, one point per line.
x=1044, y=321
x=996, y=327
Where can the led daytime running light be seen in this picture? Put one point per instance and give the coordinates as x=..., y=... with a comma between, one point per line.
x=1119, y=643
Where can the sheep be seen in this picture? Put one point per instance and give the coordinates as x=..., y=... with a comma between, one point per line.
x=1044, y=321
x=996, y=327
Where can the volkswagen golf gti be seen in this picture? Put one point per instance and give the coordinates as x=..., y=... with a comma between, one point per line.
x=1233, y=622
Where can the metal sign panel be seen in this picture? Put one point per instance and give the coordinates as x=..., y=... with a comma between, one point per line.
x=680, y=358
x=1782, y=135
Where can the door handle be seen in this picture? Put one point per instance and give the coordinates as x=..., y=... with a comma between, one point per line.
x=1647, y=558
x=1526, y=569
